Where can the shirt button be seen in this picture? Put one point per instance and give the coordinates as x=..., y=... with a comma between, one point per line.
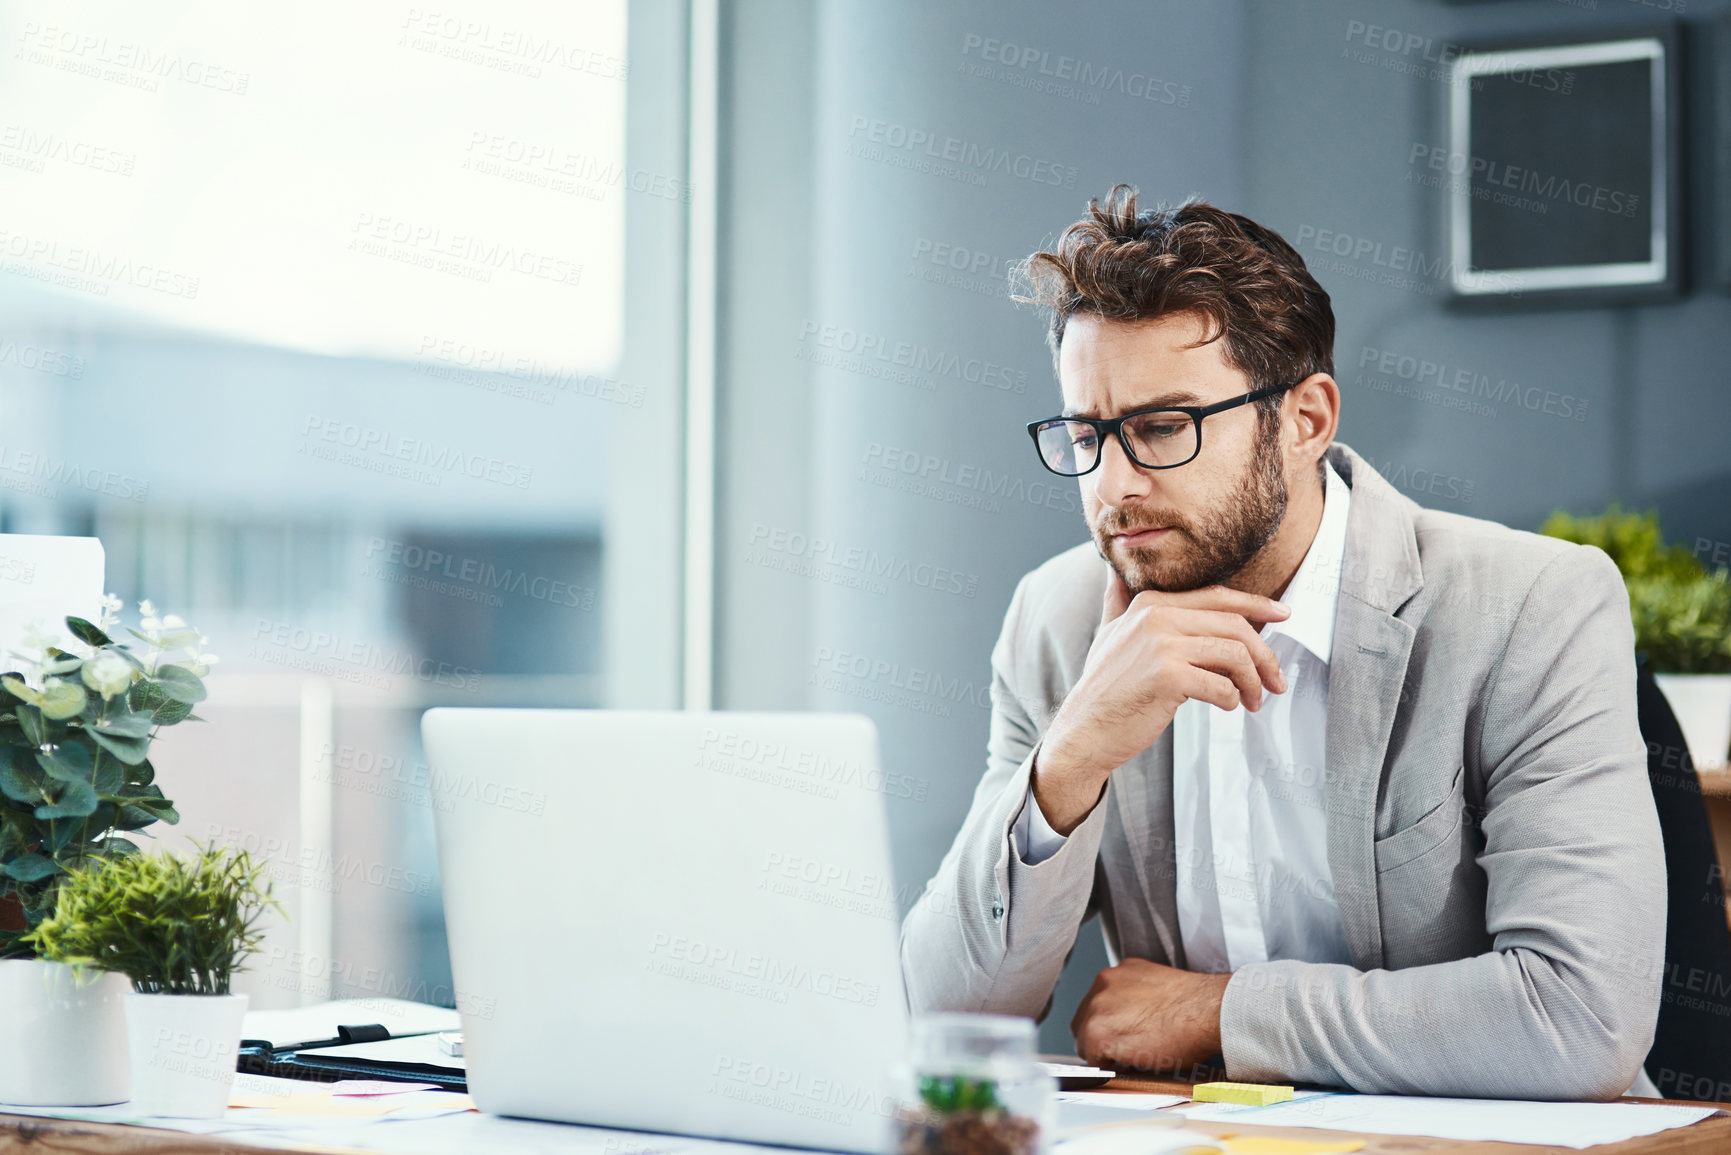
x=998, y=910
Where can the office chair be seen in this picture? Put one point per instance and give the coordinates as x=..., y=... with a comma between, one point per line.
x=1691, y=1055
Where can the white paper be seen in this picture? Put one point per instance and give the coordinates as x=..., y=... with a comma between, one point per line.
x=1081, y=1112
x=1128, y=1101
x=412, y=1049
x=469, y=1133
x=1141, y=1141
x=42, y=581
x=1076, y=1070
x=320, y=1021
x=247, y=1122
x=1502, y=1120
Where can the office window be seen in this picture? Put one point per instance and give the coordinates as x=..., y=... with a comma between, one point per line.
x=313, y=316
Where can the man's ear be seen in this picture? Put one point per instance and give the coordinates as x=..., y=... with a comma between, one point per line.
x=1312, y=410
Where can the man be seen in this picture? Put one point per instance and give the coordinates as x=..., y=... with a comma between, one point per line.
x=1355, y=787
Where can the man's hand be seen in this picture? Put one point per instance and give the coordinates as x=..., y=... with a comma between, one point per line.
x=1150, y=1017
x=1150, y=654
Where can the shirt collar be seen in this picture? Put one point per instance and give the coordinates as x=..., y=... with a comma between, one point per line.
x=1314, y=592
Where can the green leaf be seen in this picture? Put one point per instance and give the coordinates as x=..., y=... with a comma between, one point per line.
x=67, y=761
x=142, y=774
x=143, y=806
x=15, y=685
x=131, y=751
x=134, y=818
x=113, y=847
x=76, y=800
x=87, y=632
x=20, y=779
x=63, y=700
x=181, y=684
x=125, y=725
x=61, y=666
x=145, y=696
x=97, y=823
x=110, y=774
x=169, y=713
x=30, y=721
x=30, y=867
x=60, y=835
x=158, y=806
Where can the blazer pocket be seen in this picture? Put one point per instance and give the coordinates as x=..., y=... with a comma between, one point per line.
x=1425, y=835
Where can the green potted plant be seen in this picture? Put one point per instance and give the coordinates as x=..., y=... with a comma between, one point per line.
x=178, y=928
x=77, y=717
x=1682, y=619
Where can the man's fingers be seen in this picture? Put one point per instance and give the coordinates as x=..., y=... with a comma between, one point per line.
x=1214, y=676
x=1200, y=623
x=1252, y=606
x=1117, y=598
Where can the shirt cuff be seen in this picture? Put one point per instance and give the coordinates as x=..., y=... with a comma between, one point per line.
x=1035, y=838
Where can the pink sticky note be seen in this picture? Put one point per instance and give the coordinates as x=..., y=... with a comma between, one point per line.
x=377, y=1087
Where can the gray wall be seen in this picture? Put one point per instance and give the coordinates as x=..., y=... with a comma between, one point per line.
x=1327, y=148
x=832, y=242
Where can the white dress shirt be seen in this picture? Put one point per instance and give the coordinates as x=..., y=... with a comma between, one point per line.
x=1249, y=792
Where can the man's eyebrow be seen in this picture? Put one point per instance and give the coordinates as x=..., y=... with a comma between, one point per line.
x=1165, y=400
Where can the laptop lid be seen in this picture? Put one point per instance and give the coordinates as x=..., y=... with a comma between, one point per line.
x=672, y=921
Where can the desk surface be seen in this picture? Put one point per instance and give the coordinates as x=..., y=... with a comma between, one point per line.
x=40, y=1136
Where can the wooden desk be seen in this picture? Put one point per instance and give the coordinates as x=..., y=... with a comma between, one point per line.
x=28, y=1135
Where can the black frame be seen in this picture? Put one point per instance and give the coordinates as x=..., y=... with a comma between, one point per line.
x=1114, y=426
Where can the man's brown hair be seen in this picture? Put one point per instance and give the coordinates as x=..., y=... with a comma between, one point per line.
x=1250, y=287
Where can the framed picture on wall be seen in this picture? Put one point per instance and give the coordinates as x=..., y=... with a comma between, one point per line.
x=1568, y=171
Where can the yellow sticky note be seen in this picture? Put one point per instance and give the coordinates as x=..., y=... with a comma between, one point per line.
x=1268, y=1145
x=1250, y=1094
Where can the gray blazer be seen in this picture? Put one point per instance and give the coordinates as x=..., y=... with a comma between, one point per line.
x=1491, y=830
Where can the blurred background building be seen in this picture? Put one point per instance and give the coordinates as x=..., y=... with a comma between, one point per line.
x=656, y=353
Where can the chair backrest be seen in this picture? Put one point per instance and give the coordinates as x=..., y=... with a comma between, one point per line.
x=1691, y=1055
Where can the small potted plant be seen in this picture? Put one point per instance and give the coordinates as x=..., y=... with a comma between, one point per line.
x=1682, y=619
x=179, y=928
x=77, y=717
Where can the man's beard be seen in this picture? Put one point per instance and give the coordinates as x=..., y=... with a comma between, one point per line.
x=1215, y=547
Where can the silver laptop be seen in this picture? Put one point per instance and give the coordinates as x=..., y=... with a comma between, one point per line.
x=671, y=921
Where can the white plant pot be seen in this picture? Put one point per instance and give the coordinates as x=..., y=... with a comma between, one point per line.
x=1702, y=703
x=183, y=1052
x=62, y=1043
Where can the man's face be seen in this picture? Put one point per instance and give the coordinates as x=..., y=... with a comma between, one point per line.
x=1171, y=529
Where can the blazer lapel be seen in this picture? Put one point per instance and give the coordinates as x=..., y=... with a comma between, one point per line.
x=1379, y=574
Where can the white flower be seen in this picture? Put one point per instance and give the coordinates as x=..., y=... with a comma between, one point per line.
x=198, y=660
x=108, y=674
x=111, y=606
x=169, y=632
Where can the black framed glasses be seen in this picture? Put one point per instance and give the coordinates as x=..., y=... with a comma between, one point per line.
x=1152, y=438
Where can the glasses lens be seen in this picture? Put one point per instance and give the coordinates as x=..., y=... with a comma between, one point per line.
x=1162, y=438
x=1068, y=447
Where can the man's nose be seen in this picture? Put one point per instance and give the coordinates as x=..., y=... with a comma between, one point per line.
x=1119, y=478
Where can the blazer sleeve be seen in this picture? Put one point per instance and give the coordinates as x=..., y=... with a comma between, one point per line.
x=1564, y=1005
x=991, y=933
